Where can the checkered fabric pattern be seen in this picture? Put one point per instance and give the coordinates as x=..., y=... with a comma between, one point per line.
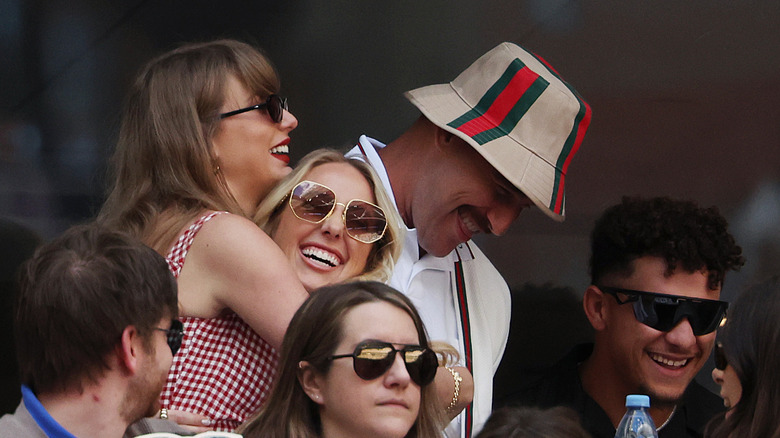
x=224, y=370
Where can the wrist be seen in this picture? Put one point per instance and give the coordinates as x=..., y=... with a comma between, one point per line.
x=456, y=391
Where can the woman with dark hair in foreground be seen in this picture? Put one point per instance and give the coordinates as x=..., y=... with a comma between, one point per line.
x=747, y=359
x=355, y=362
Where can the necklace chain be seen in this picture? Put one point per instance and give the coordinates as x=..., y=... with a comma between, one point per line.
x=674, y=409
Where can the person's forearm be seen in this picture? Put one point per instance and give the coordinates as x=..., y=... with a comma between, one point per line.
x=451, y=400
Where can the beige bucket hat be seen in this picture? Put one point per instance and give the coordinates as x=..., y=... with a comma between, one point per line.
x=517, y=112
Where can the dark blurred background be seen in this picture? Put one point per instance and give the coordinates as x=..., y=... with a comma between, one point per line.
x=684, y=98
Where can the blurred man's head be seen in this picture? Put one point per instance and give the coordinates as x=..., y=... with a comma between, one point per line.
x=92, y=302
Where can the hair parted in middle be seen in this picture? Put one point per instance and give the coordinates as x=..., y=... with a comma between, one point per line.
x=313, y=335
x=680, y=232
x=384, y=252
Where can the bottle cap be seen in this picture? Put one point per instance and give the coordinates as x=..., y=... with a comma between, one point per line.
x=637, y=401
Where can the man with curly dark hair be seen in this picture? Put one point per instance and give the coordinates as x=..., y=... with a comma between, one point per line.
x=657, y=268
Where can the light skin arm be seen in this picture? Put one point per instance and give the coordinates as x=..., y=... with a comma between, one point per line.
x=234, y=265
x=194, y=423
x=445, y=388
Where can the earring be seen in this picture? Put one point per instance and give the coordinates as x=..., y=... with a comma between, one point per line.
x=216, y=170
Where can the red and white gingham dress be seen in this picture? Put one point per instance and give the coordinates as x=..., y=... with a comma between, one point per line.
x=223, y=369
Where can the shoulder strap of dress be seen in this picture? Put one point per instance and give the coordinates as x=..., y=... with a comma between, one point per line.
x=178, y=253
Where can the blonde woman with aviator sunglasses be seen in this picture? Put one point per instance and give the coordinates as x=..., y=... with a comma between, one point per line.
x=332, y=220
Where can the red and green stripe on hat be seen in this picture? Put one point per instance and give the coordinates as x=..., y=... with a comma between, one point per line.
x=505, y=103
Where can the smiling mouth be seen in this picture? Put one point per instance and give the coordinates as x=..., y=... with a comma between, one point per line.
x=282, y=149
x=321, y=256
x=468, y=221
x=668, y=363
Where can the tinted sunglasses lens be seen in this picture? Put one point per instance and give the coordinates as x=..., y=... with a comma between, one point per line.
x=662, y=313
x=720, y=357
x=373, y=360
x=175, y=335
x=365, y=222
x=707, y=317
x=656, y=312
x=276, y=106
x=312, y=202
x=421, y=363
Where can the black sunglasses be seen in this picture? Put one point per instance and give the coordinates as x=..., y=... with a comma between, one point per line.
x=275, y=105
x=663, y=312
x=371, y=359
x=174, y=334
x=720, y=357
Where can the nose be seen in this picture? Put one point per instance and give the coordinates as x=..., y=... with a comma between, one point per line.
x=397, y=375
x=289, y=121
x=334, y=224
x=682, y=335
x=717, y=376
x=501, y=217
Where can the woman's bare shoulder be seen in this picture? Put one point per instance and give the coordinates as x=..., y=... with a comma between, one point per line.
x=227, y=231
x=239, y=267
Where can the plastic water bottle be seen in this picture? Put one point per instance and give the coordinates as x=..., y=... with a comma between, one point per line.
x=636, y=423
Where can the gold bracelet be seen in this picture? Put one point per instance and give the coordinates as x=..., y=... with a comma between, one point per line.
x=457, y=378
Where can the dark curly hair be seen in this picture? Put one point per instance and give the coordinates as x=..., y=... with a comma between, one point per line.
x=680, y=232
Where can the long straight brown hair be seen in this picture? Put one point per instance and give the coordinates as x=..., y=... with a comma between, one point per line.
x=163, y=169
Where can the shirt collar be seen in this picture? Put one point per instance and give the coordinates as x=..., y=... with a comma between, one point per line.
x=46, y=422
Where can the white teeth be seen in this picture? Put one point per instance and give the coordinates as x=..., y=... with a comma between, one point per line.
x=281, y=149
x=321, y=256
x=671, y=363
x=470, y=224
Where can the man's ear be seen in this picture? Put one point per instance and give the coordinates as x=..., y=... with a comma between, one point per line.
x=311, y=382
x=593, y=302
x=128, y=350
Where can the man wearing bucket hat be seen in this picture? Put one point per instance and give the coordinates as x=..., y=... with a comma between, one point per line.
x=496, y=140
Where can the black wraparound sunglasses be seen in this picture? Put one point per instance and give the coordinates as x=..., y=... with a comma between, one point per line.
x=372, y=359
x=663, y=312
x=275, y=105
x=174, y=335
